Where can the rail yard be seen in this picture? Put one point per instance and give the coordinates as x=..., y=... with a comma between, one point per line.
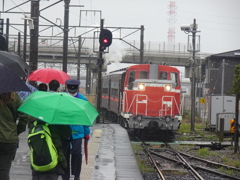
x=186, y=160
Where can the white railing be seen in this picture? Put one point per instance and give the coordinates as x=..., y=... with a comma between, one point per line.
x=167, y=105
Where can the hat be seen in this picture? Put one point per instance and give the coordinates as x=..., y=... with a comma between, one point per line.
x=72, y=85
x=74, y=82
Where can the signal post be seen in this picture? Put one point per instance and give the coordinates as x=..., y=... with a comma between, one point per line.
x=105, y=40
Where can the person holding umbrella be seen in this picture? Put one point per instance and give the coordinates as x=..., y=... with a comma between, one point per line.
x=59, y=133
x=9, y=127
x=78, y=133
x=9, y=130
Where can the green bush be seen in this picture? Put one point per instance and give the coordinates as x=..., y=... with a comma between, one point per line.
x=184, y=128
x=237, y=164
x=203, y=152
x=186, y=115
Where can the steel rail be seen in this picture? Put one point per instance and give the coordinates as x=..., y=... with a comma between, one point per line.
x=207, y=161
x=189, y=167
x=194, y=166
x=160, y=174
x=186, y=164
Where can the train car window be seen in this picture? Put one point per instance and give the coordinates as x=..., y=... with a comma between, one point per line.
x=105, y=91
x=105, y=86
x=174, y=77
x=131, y=78
x=114, y=89
x=114, y=92
x=143, y=75
x=163, y=75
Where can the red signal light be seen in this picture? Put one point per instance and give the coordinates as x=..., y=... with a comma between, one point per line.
x=105, y=40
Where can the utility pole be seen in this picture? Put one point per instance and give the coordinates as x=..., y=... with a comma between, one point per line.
x=33, y=60
x=79, y=56
x=193, y=75
x=7, y=34
x=19, y=44
x=25, y=41
x=223, y=68
x=88, y=78
x=142, y=45
x=65, y=39
x=99, y=87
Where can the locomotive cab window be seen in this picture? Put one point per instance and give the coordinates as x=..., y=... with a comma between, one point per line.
x=131, y=78
x=174, y=77
x=163, y=75
x=143, y=75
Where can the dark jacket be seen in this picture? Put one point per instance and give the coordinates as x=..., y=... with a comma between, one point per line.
x=10, y=128
x=59, y=133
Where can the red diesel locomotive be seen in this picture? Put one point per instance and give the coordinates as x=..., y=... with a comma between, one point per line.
x=144, y=97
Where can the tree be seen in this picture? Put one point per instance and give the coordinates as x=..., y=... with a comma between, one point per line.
x=236, y=80
x=236, y=90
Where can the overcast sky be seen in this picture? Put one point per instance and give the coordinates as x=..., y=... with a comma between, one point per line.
x=218, y=20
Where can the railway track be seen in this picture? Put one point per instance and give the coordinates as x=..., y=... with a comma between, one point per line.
x=172, y=164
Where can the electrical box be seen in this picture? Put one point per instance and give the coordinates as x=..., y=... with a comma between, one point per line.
x=227, y=117
x=220, y=104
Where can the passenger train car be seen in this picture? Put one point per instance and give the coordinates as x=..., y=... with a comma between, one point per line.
x=144, y=97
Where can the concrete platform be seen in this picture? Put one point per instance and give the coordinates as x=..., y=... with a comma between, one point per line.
x=110, y=156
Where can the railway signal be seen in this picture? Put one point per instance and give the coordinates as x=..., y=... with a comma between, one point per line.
x=105, y=38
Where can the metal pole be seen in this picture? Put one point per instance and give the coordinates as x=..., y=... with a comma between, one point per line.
x=99, y=87
x=33, y=59
x=7, y=34
x=223, y=68
x=200, y=87
x=221, y=133
x=87, y=79
x=19, y=44
x=193, y=76
x=65, y=39
x=236, y=135
x=25, y=41
x=141, y=44
x=3, y=5
x=79, y=56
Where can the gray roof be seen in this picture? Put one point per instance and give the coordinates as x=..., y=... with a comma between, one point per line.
x=229, y=54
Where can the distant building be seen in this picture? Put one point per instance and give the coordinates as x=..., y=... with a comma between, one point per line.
x=217, y=65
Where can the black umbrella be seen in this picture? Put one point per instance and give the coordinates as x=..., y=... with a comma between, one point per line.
x=14, y=62
x=10, y=81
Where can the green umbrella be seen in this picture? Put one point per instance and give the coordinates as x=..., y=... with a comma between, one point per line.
x=59, y=108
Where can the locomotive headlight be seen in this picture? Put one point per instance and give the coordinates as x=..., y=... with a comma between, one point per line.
x=141, y=87
x=167, y=87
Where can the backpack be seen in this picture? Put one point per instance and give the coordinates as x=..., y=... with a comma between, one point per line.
x=43, y=153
